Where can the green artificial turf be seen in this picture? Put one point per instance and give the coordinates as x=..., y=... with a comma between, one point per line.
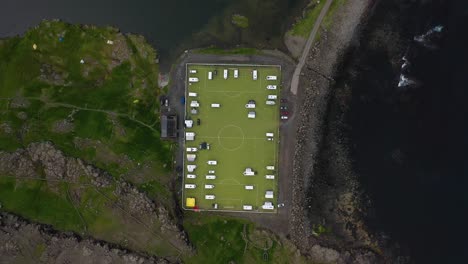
x=236, y=142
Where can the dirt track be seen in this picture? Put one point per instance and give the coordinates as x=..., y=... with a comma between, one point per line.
x=279, y=223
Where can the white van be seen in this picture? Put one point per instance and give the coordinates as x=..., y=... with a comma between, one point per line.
x=192, y=94
x=191, y=176
x=236, y=73
x=225, y=74
x=272, y=97
x=209, y=197
x=209, y=186
x=190, y=186
x=270, y=102
x=247, y=207
x=191, y=149
x=193, y=71
x=212, y=162
x=271, y=87
x=210, y=177
x=215, y=105
x=271, y=78
x=270, y=177
x=270, y=134
x=193, y=79
x=254, y=75
x=210, y=75
x=249, y=187
x=270, y=167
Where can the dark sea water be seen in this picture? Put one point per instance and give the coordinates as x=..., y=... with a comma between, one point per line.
x=167, y=24
x=410, y=144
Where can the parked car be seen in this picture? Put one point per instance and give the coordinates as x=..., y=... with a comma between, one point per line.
x=284, y=107
x=284, y=117
x=285, y=113
x=283, y=101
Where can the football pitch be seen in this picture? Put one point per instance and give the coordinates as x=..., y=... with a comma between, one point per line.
x=226, y=126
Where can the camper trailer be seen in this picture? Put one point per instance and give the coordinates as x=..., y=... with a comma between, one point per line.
x=269, y=102
x=193, y=71
x=249, y=187
x=247, y=207
x=209, y=186
x=225, y=74
x=254, y=75
x=215, y=105
x=210, y=75
x=192, y=94
x=271, y=87
x=191, y=176
x=193, y=79
x=236, y=73
x=272, y=97
x=212, y=162
x=270, y=177
x=271, y=78
x=210, y=177
x=209, y=197
x=190, y=186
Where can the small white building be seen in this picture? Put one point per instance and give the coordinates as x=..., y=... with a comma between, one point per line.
x=194, y=104
x=191, y=168
x=191, y=149
x=268, y=206
x=191, y=157
x=190, y=136
x=247, y=207
x=189, y=123
x=251, y=114
x=249, y=172
x=269, y=194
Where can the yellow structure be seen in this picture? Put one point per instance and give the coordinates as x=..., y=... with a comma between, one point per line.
x=190, y=202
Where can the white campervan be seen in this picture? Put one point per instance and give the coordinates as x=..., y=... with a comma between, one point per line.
x=271, y=78
x=209, y=197
x=269, y=102
x=209, y=186
x=249, y=187
x=247, y=207
x=236, y=73
x=212, y=162
x=270, y=167
x=272, y=97
x=270, y=177
x=225, y=74
x=193, y=71
x=192, y=94
x=270, y=134
x=210, y=177
x=191, y=176
x=271, y=87
x=210, y=75
x=215, y=105
x=254, y=75
x=190, y=186
x=193, y=79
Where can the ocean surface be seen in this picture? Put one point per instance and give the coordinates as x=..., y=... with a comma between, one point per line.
x=168, y=25
x=409, y=143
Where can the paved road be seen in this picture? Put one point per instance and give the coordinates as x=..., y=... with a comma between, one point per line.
x=308, y=45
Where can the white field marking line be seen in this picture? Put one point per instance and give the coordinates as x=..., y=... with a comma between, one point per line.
x=231, y=149
x=227, y=91
x=233, y=137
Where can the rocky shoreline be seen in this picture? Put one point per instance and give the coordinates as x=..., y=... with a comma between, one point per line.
x=25, y=242
x=326, y=219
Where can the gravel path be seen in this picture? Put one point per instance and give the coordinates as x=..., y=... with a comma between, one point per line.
x=307, y=47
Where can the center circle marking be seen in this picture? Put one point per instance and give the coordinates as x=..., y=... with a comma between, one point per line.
x=228, y=131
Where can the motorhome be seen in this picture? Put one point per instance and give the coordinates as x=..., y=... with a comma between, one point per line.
x=190, y=186
x=271, y=78
x=209, y=197
x=210, y=75
x=236, y=73
x=225, y=74
x=271, y=87
x=193, y=79
x=254, y=75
